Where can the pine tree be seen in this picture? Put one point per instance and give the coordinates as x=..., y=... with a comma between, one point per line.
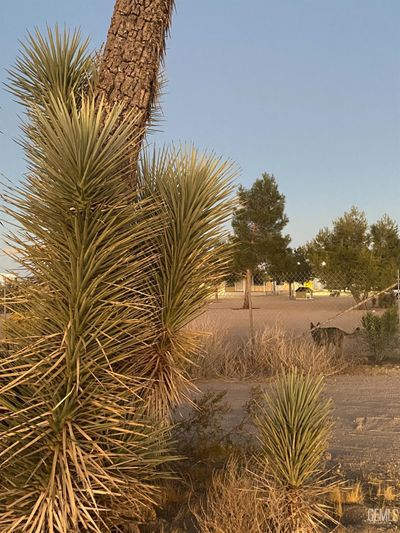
x=258, y=223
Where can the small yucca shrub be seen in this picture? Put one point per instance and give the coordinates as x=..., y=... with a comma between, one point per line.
x=294, y=426
x=381, y=333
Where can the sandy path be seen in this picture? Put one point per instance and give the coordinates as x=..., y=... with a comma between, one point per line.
x=294, y=315
x=366, y=412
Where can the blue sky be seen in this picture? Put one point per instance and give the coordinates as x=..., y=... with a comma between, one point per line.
x=306, y=89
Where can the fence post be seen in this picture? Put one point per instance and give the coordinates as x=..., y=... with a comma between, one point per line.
x=249, y=280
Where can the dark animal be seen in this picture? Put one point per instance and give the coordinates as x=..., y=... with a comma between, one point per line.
x=330, y=336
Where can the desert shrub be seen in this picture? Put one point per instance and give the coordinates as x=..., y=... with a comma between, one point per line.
x=294, y=424
x=269, y=353
x=381, y=333
x=387, y=300
x=205, y=445
x=204, y=440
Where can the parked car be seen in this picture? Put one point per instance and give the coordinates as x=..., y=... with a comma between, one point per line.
x=303, y=293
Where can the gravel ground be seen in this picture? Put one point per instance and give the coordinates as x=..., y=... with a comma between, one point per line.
x=366, y=435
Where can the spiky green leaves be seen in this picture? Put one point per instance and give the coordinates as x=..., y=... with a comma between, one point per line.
x=76, y=450
x=57, y=65
x=117, y=276
x=294, y=425
x=192, y=191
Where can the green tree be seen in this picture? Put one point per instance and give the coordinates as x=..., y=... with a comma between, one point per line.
x=385, y=245
x=298, y=267
x=258, y=223
x=354, y=256
x=341, y=256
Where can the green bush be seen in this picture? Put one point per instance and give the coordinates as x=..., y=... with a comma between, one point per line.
x=381, y=333
x=387, y=300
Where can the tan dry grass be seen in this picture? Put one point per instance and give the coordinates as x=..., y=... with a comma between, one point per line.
x=269, y=353
x=233, y=503
x=241, y=498
x=306, y=509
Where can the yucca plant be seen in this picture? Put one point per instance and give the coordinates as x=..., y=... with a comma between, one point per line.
x=77, y=452
x=191, y=191
x=117, y=275
x=294, y=426
x=57, y=63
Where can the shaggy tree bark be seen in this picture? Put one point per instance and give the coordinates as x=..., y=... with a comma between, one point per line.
x=132, y=57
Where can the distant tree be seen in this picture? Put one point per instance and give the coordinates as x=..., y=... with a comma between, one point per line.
x=385, y=245
x=298, y=267
x=341, y=256
x=355, y=257
x=258, y=223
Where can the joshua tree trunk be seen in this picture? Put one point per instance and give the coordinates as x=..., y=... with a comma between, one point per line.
x=132, y=57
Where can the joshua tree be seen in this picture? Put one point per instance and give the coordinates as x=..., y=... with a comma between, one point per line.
x=130, y=64
x=118, y=276
x=77, y=452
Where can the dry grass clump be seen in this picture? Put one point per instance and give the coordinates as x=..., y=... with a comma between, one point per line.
x=354, y=494
x=285, y=488
x=269, y=353
x=243, y=498
x=234, y=503
x=302, y=510
x=272, y=352
x=217, y=354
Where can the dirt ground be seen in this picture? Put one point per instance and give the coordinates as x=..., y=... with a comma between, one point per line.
x=293, y=315
x=366, y=402
x=365, y=443
x=366, y=412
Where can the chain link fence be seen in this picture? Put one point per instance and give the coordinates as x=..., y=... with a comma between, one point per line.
x=301, y=285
